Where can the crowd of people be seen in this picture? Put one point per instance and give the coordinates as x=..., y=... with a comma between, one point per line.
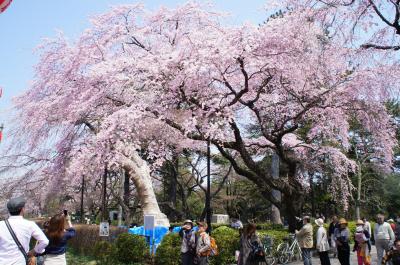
x=17, y=232
x=385, y=235
x=197, y=245
x=336, y=240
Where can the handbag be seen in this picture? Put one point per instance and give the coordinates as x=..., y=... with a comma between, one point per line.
x=257, y=252
x=28, y=260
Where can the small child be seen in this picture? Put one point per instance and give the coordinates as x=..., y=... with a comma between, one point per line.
x=361, y=240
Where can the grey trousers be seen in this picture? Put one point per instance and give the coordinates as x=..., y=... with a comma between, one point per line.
x=381, y=247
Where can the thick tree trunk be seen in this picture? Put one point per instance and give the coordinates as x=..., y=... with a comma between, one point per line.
x=140, y=174
x=127, y=192
x=312, y=197
x=292, y=205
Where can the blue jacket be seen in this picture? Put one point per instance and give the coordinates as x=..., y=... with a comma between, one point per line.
x=61, y=247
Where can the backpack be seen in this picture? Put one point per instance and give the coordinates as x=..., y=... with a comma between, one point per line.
x=214, y=247
x=213, y=251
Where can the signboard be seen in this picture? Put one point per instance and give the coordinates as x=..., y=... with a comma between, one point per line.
x=149, y=222
x=104, y=229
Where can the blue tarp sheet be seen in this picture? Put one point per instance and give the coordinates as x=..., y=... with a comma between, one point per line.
x=159, y=233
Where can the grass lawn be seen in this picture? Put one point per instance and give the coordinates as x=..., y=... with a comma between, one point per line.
x=73, y=259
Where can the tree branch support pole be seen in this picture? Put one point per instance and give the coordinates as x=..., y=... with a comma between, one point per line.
x=208, y=193
x=82, y=194
x=358, y=202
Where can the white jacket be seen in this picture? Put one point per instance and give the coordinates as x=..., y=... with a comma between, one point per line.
x=322, y=239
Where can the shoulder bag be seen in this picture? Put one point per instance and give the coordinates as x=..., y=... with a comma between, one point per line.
x=29, y=260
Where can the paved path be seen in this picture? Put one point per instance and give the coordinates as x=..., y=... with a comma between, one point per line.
x=335, y=261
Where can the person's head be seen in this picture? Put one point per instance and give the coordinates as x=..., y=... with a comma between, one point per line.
x=364, y=219
x=187, y=225
x=342, y=223
x=334, y=219
x=360, y=223
x=202, y=227
x=380, y=218
x=16, y=206
x=250, y=229
x=390, y=221
x=56, y=227
x=397, y=244
x=319, y=222
x=306, y=220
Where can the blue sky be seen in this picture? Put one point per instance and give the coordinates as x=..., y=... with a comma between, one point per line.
x=26, y=22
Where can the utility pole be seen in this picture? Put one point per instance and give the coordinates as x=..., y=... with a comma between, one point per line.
x=121, y=192
x=359, y=182
x=82, y=193
x=208, y=193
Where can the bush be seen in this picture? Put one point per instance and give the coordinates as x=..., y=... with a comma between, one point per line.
x=88, y=235
x=278, y=236
x=104, y=253
x=260, y=226
x=131, y=249
x=169, y=250
x=227, y=240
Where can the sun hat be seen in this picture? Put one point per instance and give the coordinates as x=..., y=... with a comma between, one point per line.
x=188, y=223
x=360, y=222
x=390, y=221
x=319, y=222
x=342, y=221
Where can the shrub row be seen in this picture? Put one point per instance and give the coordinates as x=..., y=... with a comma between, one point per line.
x=260, y=226
x=123, y=248
x=227, y=240
x=127, y=249
x=88, y=235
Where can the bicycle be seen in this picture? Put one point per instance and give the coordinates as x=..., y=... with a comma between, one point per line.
x=268, y=243
x=286, y=252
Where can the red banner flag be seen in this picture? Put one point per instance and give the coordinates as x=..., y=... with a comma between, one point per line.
x=4, y=4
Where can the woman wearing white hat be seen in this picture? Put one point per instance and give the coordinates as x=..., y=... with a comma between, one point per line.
x=322, y=243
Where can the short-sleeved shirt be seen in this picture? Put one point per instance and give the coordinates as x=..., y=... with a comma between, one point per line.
x=60, y=247
x=24, y=230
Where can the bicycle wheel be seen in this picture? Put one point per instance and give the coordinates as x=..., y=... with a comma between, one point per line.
x=297, y=253
x=270, y=260
x=283, y=253
x=269, y=256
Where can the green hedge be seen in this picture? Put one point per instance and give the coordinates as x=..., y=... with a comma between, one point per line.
x=127, y=249
x=169, y=251
x=104, y=253
x=88, y=235
x=278, y=236
x=227, y=240
x=260, y=226
x=131, y=249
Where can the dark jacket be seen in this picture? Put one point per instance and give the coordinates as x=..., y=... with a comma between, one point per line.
x=60, y=247
x=393, y=256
